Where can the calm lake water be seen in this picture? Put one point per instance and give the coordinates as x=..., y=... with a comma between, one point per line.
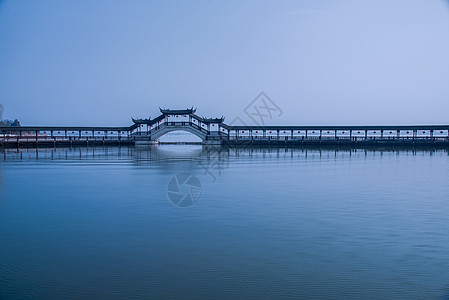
x=105, y=223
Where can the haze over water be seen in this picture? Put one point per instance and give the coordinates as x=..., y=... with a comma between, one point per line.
x=270, y=223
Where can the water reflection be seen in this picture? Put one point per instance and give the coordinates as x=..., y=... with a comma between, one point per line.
x=211, y=162
x=164, y=154
x=275, y=223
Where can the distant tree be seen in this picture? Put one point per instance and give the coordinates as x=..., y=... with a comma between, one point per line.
x=8, y=123
x=16, y=123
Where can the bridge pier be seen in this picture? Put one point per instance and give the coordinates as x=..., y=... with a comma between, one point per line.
x=212, y=142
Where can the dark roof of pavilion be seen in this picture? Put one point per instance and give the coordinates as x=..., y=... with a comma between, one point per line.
x=212, y=120
x=187, y=111
x=339, y=127
x=69, y=128
x=141, y=121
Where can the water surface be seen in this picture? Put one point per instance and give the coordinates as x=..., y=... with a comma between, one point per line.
x=270, y=223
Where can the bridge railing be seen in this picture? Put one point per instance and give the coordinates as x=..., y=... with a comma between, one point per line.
x=63, y=138
x=220, y=135
x=178, y=124
x=317, y=138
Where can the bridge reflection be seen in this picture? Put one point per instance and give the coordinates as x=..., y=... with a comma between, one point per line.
x=171, y=154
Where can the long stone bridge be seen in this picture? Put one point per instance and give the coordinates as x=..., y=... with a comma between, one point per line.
x=215, y=131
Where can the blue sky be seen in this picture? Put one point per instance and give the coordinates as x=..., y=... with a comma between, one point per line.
x=322, y=62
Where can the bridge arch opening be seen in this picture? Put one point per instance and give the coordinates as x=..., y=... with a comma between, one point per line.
x=179, y=136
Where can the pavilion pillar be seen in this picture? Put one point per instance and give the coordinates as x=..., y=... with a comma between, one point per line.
x=398, y=133
x=381, y=133
x=414, y=133
x=366, y=134
x=321, y=133
x=431, y=133
x=306, y=134
x=350, y=134
x=335, y=134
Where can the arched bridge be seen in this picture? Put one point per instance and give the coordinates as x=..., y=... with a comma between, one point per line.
x=207, y=129
x=215, y=131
